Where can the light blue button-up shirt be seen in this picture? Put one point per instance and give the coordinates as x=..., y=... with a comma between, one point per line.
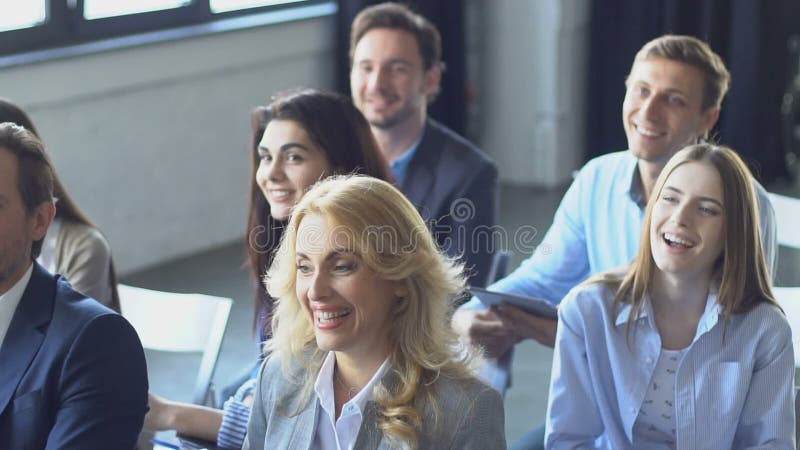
x=598, y=227
x=734, y=387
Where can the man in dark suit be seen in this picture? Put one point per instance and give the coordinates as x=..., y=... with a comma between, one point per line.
x=72, y=372
x=396, y=65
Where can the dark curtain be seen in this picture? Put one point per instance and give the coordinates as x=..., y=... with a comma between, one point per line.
x=448, y=16
x=751, y=36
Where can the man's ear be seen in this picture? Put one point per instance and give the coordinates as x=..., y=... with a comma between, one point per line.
x=433, y=80
x=41, y=218
x=709, y=119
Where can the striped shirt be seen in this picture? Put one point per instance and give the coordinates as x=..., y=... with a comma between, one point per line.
x=235, y=415
x=737, y=390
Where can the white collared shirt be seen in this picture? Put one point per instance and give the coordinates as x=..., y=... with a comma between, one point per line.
x=9, y=302
x=341, y=434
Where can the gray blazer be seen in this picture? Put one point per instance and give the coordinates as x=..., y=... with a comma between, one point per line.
x=470, y=415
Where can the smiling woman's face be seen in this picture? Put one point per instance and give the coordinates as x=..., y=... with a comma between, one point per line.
x=290, y=164
x=687, y=232
x=350, y=306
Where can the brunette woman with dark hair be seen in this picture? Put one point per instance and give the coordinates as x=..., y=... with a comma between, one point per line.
x=336, y=132
x=300, y=137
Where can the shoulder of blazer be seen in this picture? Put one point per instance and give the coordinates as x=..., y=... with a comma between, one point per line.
x=284, y=387
x=37, y=302
x=455, y=395
x=455, y=149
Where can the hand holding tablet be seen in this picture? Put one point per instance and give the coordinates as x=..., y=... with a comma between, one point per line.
x=531, y=305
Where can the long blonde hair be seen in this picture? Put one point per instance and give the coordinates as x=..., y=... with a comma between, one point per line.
x=391, y=239
x=740, y=270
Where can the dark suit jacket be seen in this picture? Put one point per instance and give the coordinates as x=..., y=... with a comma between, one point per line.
x=453, y=183
x=72, y=372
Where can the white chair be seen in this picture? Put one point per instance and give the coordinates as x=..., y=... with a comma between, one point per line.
x=172, y=322
x=789, y=299
x=499, y=268
x=496, y=372
x=787, y=215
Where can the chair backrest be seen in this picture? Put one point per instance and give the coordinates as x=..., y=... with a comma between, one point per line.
x=787, y=216
x=499, y=267
x=789, y=299
x=172, y=322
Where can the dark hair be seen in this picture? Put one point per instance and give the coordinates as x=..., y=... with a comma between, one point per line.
x=696, y=53
x=34, y=171
x=399, y=17
x=340, y=130
x=66, y=209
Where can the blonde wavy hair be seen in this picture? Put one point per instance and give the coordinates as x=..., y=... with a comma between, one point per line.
x=740, y=271
x=391, y=239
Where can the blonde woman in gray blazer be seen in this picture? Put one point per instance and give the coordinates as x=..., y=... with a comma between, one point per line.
x=362, y=354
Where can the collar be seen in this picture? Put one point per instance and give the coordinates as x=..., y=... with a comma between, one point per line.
x=400, y=165
x=323, y=386
x=10, y=300
x=711, y=314
x=634, y=189
x=406, y=156
x=15, y=293
x=707, y=321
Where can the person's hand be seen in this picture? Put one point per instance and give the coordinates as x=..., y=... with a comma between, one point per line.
x=485, y=329
x=248, y=400
x=160, y=417
x=527, y=325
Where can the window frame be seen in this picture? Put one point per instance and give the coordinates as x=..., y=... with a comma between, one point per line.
x=66, y=25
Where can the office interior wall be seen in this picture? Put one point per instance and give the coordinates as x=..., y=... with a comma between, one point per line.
x=532, y=78
x=152, y=141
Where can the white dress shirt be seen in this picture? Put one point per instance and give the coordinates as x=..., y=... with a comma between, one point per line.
x=9, y=302
x=341, y=434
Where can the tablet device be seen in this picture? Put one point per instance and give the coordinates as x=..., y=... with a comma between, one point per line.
x=531, y=305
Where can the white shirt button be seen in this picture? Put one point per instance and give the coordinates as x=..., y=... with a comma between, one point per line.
x=648, y=360
x=633, y=409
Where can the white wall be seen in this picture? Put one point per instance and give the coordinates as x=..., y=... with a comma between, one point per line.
x=533, y=94
x=152, y=141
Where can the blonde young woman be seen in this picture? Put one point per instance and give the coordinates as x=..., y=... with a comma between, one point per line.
x=362, y=355
x=687, y=349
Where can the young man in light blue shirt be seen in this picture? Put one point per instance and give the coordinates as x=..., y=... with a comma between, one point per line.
x=674, y=92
